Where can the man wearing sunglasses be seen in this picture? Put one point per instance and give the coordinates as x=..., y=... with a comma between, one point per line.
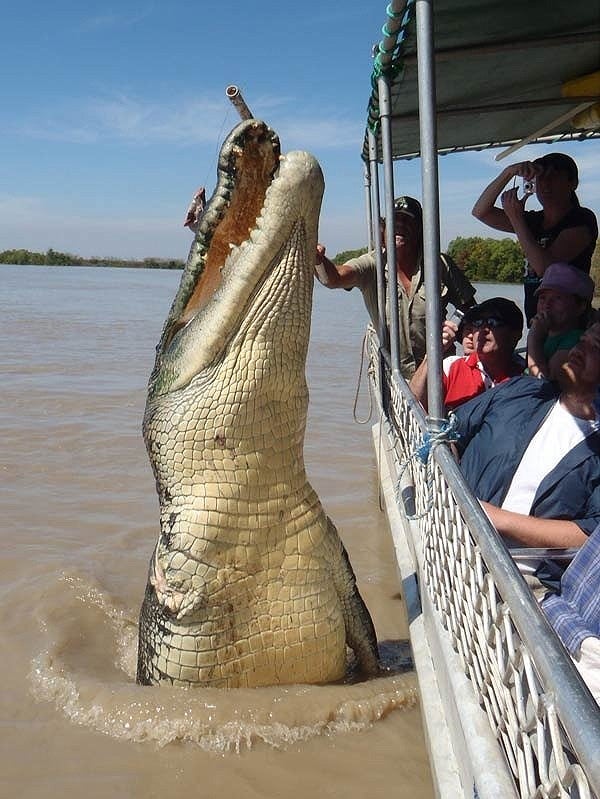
x=497, y=326
x=530, y=451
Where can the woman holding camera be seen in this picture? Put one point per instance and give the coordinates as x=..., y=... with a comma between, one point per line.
x=561, y=231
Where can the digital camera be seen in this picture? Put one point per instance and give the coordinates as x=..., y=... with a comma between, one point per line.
x=528, y=187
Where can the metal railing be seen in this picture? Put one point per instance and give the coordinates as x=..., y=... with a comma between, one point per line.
x=542, y=715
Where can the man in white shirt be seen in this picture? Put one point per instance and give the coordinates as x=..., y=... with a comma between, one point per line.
x=530, y=451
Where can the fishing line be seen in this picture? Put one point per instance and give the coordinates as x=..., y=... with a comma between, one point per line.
x=211, y=166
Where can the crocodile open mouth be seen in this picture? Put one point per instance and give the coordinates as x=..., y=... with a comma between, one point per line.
x=248, y=163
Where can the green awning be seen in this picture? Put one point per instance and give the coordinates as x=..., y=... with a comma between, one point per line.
x=500, y=70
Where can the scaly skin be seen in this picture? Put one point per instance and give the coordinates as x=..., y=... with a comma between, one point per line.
x=249, y=583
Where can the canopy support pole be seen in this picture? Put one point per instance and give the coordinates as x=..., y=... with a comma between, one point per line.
x=431, y=207
x=375, y=245
x=385, y=105
x=375, y=207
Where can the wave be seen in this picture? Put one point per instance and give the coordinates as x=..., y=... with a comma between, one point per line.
x=88, y=672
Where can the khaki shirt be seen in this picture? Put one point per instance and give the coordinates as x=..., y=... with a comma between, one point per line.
x=411, y=308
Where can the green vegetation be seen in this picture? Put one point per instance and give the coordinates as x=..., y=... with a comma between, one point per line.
x=344, y=257
x=53, y=258
x=498, y=260
x=495, y=260
x=487, y=260
x=492, y=260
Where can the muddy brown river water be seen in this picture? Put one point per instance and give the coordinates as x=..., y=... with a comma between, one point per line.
x=79, y=518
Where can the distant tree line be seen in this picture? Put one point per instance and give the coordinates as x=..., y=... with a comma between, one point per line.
x=482, y=259
x=487, y=260
x=54, y=258
x=498, y=260
x=492, y=260
x=595, y=269
x=346, y=255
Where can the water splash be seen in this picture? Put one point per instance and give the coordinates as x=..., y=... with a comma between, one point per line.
x=88, y=672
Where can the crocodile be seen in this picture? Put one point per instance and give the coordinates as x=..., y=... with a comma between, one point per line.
x=249, y=583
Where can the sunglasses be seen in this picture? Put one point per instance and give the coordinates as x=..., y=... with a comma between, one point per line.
x=491, y=321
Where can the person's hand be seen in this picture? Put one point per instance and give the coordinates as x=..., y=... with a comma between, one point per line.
x=449, y=331
x=320, y=253
x=512, y=205
x=540, y=325
x=524, y=169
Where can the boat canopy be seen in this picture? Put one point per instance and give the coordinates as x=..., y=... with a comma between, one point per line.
x=506, y=72
x=457, y=75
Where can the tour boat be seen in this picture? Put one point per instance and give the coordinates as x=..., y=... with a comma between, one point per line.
x=505, y=711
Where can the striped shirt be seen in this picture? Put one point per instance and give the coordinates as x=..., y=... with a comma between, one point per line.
x=575, y=612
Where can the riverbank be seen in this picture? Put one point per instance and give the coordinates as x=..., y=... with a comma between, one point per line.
x=54, y=258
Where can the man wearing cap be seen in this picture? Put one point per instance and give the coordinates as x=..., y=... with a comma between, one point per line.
x=361, y=272
x=530, y=451
x=564, y=303
x=562, y=231
x=498, y=326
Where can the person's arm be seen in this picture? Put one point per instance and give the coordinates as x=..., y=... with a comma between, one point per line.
x=332, y=275
x=566, y=246
x=536, y=360
x=418, y=382
x=533, y=532
x=486, y=210
x=471, y=415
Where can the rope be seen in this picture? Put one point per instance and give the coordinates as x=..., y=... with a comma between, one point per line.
x=422, y=454
x=363, y=354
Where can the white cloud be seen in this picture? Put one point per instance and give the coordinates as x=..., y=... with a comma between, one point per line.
x=183, y=120
x=111, y=20
x=343, y=232
x=124, y=118
x=27, y=221
x=14, y=209
x=30, y=223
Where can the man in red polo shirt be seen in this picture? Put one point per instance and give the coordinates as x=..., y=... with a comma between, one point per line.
x=498, y=326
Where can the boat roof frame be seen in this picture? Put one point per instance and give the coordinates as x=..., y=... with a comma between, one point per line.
x=513, y=58
x=415, y=109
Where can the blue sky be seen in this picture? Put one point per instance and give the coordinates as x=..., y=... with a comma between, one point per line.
x=112, y=116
